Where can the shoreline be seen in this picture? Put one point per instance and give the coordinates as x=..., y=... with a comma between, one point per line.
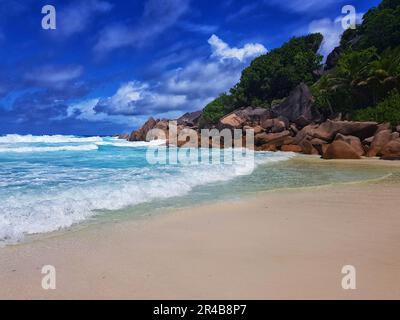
x=105, y=218
x=264, y=246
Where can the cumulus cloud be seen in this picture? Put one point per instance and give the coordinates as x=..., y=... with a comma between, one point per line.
x=86, y=111
x=134, y=98
x=156, y=18
x=182, y=89
x=222, y=50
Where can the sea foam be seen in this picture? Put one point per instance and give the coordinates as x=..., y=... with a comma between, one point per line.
x=15, y=138
x=69, y=185
x=87, y=147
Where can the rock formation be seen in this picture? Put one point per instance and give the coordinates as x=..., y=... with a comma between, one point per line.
x=298, y=107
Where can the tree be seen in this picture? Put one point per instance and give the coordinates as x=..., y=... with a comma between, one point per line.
x=217, y=108
x=386, y=111
x=272, y=76
x=381, y=26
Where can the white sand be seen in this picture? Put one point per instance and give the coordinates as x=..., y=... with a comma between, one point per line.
x=287, y=244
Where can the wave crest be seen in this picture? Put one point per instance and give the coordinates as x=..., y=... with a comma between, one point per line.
x=16, y=138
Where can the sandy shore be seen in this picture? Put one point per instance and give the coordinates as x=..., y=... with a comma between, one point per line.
x=275, y=245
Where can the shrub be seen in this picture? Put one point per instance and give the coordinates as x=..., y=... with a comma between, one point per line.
x=217, y=108
x=386, y=111
x=272, y=76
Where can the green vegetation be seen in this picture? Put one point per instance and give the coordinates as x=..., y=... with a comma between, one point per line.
x=369, y=65
x=272, y=76
x=386, y=111
x=218, y=108
x=363, y=82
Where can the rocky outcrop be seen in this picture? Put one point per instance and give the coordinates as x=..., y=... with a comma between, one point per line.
x=256, y=129
x=340, y=150
x=333, y=58
x=276, y=139
x=123, y=136
x=291, y=148
x=392, y=150
x=244, y=116
x=308, y=148
x=332, y=139
x=353, y=141
x=190, y=119
x=274, y=125
x=329, y=129
x=381, y=139
x=233, y=121
x=298, y=107
x=140, y=135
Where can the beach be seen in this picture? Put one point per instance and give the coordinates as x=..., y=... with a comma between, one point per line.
x=282, y=244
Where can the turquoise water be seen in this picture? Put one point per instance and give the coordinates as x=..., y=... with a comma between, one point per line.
x=48, y=183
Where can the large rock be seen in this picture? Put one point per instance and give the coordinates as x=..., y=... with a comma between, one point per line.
x=292, y=148
x=271, y=138
x=162, y=125
x=308, y=148
x=329, y=129
x=392, y=150
x=233, y=120
x=381, y=139
x=267, y=147
x=298, y=107
x=140, y=135
x=395, y=135
x=333, y=58
x=274, y=125
x=124, y=136
x=353, y=141
x=306, y=132
x=383, y=126
x=255, y=115
x=256, y=129
x=398, y=128
x=340, y=150
x=190, y=119
x=244, y=116
x=318, y=144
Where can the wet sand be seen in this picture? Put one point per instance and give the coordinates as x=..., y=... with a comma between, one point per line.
x=289, y=244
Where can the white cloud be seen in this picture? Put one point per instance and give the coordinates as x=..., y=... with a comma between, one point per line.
x=76, y=16
x=53, y=76
x=156, y=18
x=332, y=31
x=203, y=78
x=179, y=90
x=222, y=50
x=199, y=28
x=301, y=5
x=135, y=98
x=85, y=110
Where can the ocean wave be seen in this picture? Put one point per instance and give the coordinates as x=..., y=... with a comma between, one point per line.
x=131, y=144
x=87, y=147
x=50, y=210
x=16, y=138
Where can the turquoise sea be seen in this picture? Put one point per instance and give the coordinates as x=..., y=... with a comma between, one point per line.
x=50, y=183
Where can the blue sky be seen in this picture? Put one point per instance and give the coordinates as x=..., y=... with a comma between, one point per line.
x=110, y=65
